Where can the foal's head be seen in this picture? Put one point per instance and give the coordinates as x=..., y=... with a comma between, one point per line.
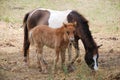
x=69, y=29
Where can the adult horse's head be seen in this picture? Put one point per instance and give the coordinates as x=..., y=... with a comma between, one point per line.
x=83, y=32
x=91, y=57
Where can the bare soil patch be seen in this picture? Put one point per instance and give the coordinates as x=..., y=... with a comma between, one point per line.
x=11, y=57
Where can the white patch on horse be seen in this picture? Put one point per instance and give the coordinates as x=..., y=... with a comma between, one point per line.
x=57, y=18
x=95, y=65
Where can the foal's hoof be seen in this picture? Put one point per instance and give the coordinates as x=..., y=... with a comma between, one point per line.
x=70, y=68
x=44, y=72
x=40, y=70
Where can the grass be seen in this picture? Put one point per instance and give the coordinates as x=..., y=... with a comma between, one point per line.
x=85, y=73
x=104, y=13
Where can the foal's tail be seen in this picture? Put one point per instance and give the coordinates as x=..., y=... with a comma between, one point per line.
x=31, y=37
x=26, y=41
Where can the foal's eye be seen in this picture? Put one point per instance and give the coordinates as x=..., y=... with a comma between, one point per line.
x=68, y=32
x=74, y=32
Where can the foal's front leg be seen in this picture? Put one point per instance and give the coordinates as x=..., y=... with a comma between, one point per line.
x=63, y=50
x=57, y=51
x=69, y=51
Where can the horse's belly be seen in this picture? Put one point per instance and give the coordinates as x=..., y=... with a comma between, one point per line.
x=49, y=43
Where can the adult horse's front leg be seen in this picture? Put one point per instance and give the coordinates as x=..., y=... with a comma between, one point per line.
x=71, y=67
x=76, y=46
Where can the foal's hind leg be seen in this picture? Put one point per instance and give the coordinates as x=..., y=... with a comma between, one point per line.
x=41, y=62
x=38, y=51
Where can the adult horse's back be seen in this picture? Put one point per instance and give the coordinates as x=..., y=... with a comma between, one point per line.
x=55, y=19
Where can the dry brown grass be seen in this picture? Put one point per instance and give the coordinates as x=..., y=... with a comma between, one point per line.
x=104, y=18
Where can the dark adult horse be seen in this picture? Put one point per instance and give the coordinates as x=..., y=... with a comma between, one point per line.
x=55, y=19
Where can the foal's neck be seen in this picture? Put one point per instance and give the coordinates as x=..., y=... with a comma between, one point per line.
x=61, y=33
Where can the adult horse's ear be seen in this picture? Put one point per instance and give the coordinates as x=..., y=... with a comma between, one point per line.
x=99, y=46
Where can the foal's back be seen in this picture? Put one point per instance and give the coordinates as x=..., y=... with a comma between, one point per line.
x=43, y=35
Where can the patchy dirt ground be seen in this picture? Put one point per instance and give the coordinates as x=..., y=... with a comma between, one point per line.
x=12, y=66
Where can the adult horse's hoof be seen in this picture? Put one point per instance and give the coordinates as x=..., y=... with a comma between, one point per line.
x=44, y=72
x=70, y=68
x=25, y=60
x=40, y=70
x=79, y=60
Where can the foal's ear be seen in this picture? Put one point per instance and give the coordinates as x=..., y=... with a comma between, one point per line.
x=64, y=25
x=99, y=46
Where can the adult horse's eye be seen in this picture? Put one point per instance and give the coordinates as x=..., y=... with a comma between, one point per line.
x=68, y=32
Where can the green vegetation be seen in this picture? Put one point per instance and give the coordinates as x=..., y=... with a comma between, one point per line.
x=103, y=13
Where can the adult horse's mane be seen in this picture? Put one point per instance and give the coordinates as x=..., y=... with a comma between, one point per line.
x=84, y=29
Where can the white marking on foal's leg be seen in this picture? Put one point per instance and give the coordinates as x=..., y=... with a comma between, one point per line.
x=95, y=65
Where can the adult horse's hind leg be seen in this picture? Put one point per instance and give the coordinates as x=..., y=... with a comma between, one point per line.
x=26, y=45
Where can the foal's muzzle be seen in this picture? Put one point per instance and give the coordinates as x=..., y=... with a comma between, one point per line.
x=72, y=39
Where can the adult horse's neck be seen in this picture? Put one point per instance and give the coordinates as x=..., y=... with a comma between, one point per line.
x=83, y=31
x=87, y=38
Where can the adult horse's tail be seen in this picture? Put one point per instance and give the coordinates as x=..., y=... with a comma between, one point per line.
x=26, y=43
